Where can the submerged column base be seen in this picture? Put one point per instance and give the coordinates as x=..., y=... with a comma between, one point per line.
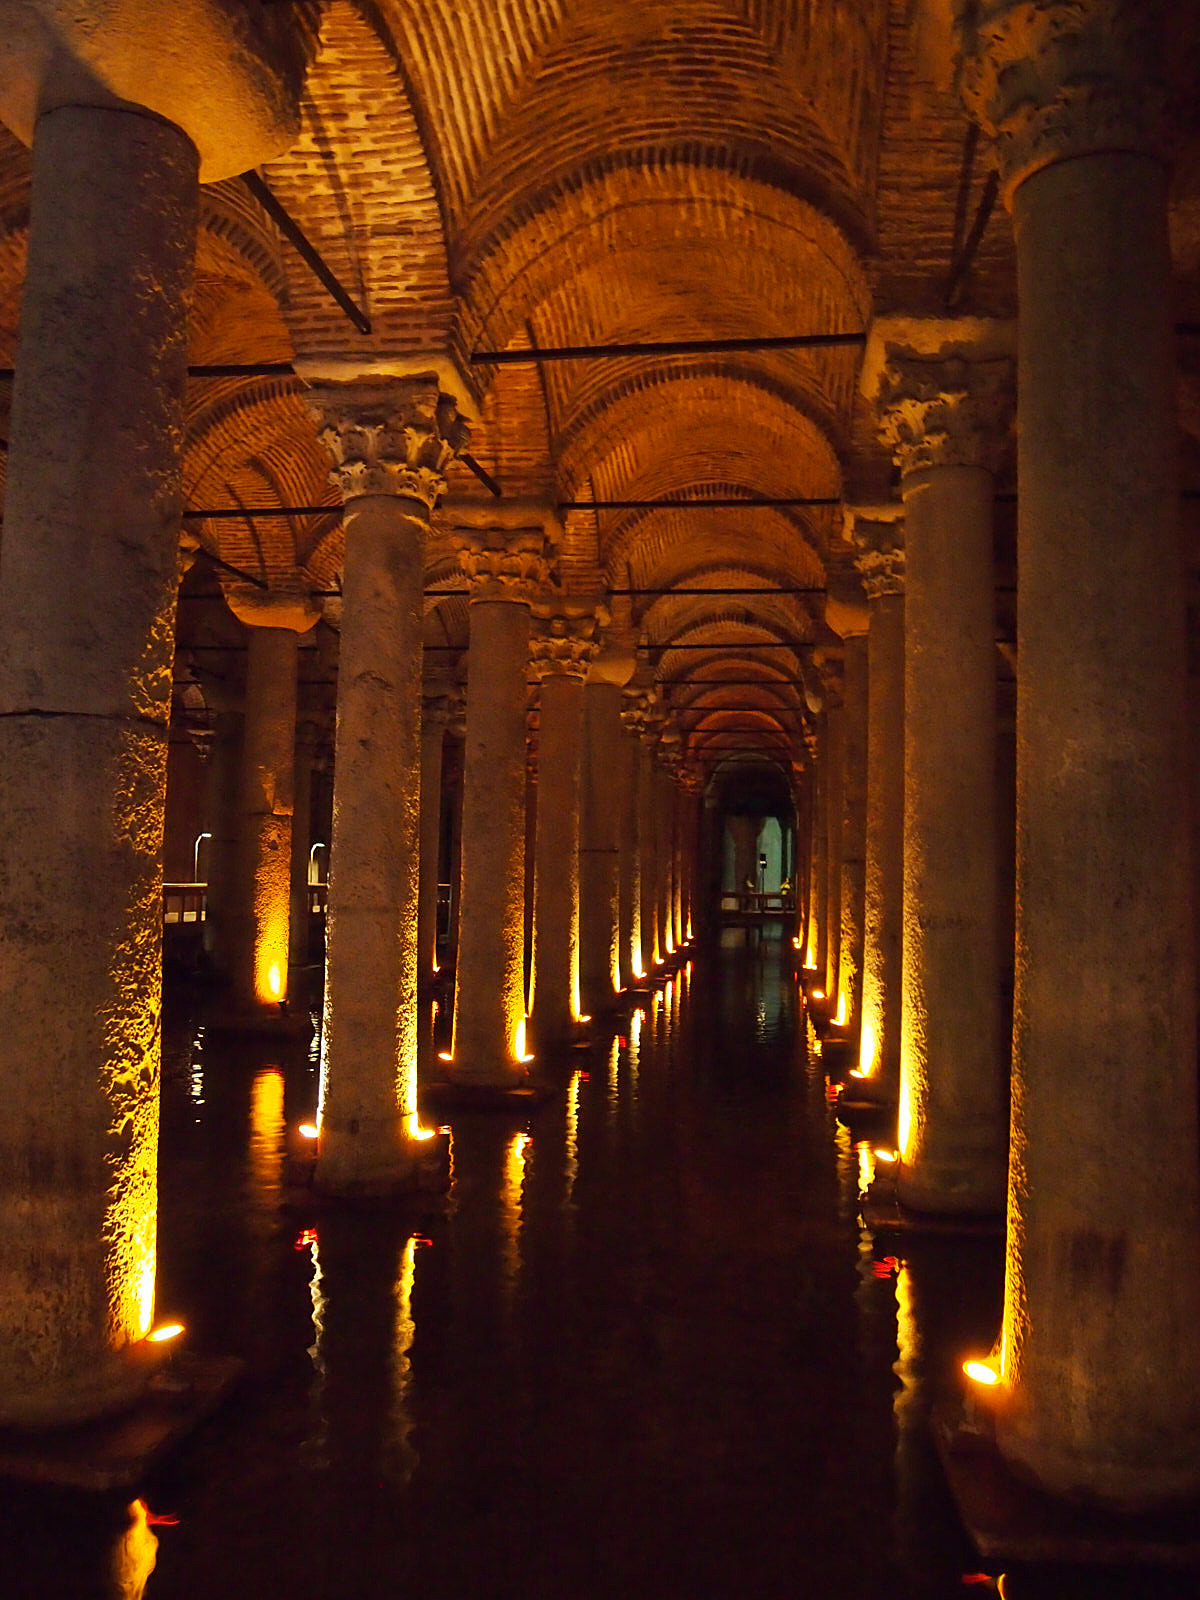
x=365, y=1158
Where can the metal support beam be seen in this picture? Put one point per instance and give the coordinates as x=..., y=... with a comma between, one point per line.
x=667, y=347
x=306, y=250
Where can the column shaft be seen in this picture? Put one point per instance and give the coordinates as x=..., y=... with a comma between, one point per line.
x=854, y=833
x=262, y=886
x=87, y=595
x=1102, y=1316
x=879, y=1048
x=489, y=997
x=833, y=851
x=648, y=852
x=368, y=1098
x=433, y=738
x=555, y=1009
x=301, y=843
x=599, y=854
x=953, y=1094
x=632, y=967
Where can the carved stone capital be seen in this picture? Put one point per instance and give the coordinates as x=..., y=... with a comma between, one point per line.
x=637, y=703
x=1052, y=79
x=563, y=642
x=393, y=437
x=944, y=390
x=877, y=534
x=690, y=776
x=501, y=565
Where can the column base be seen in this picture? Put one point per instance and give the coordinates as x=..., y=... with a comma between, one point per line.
x=884, y=1212
x=262, y=1022
x=1010, y=1519
x=117, y=1451
x=349, y=1167
x=455, y=1093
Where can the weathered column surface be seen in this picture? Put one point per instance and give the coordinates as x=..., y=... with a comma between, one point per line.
x=435, y=714
x=505, y=566
x=562, y=648
x=664, y=841
x=881, y=562
x=944, y=392
x=834, y=724
x=222, y=781
x=87, y=595
x=854, y=832
x=632, y=968
x=599, y=830
x=261, y=892
x=647, y=845
x=305, y=756
x=390, y=441
x=1100, y=1354
x=818, y=893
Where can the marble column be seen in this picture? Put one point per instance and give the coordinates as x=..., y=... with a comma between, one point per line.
x=632, y=968
x=435, y=713
x=302, y=839
x=563, y=645
x=854, y=832
x=818, y=891
x=599, y=830
x=881, y=562
x=87, y=597
x=1100, y=1354
x=504, y=565
x=834, y=721
x=647, y=834
x=261, y=892
x=222, y=782
x=944, y=391
x=390, y=441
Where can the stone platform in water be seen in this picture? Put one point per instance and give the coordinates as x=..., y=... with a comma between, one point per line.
x=116, y=1452
x=883, y=1213
x=1009, y=1520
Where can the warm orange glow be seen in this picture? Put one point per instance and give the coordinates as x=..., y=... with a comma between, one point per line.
x=134, y=1554
x=413, y=1128
x=842, y=1011
x=904, y=1120
x=868, y=1052
x=444, y=1055
x=309, y=1130
x=981, y=1372
x=818, y=994
x=796, y=942
x=168, y=1330
x=886, y=1156
x=639, y=970
x=519, y=1049
x=586, y=1017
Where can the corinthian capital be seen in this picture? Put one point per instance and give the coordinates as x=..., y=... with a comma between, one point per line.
x=394, y=436
x=943, y=389
x=877, y=534
x=564, y=640
x=1052, y=79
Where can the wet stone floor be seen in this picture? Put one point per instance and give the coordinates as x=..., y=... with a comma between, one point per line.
x=642, y=1347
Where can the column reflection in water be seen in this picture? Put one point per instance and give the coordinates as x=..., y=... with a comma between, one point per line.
x=612, y=1100
x=266, y=1137
x=512, y=1210
x=402, y=1454
x=134, y=1556
x=572, y=1140
x=637, y=1018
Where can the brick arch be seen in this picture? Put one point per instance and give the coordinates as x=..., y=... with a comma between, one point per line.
x=669, y=617
x=787, y=258
x=738, y=429
x=359, y=183
x=254, y=443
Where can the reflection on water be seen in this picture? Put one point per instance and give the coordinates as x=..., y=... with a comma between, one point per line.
x=644, y=1345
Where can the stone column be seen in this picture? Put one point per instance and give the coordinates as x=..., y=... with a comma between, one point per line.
x=818, y=893
x=87, y=594
x=1100, y=1354
x=306, y=743
x=881, y=562
x=664, y=842
x=435, y=713
x=647, y=834
x=599, y=830
x=632, y=967
x=390, y=441
x=262, y=884
x=854, y=832
x=833, y=841
x=222, y=781
x=562, y=648
x=944, y=393
x=504, y=566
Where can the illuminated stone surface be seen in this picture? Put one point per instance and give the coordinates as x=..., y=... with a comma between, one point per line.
x=86, y=606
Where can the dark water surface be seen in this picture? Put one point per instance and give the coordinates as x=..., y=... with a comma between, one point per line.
x=642, y=1347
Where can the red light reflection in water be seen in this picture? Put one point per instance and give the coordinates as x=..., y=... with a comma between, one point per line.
x=585, y=1077
x=155, y=1519
x=420, y=1239
x=305, y=1238
x=832, y=1090
x=887, y=1267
